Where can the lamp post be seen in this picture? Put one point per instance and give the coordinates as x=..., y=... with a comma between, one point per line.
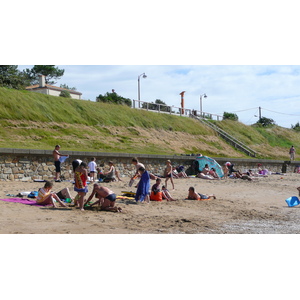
x=139, y=88
x=205, y=96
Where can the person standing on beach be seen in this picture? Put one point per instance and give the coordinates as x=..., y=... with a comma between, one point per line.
x=142, y=193
x=80, y=186
x=137, y=165
x=292, y=153
x=57, y=163
x=92, y=168
x=169, y=173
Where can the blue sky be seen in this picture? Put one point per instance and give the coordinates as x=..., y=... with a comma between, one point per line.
x=232, y=88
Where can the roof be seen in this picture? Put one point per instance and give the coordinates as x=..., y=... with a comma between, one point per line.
x=51, y=87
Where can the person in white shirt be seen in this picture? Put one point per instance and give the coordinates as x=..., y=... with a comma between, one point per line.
x=92, y=169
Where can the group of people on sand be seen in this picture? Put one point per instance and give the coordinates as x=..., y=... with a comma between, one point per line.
x=106, y=198
x=158, y=192
x=208, y=173
x=229, y=171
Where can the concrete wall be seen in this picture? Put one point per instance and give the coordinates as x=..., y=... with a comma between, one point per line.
x=30, y=164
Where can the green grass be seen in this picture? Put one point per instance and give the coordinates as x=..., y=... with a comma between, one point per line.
x=29, y=106
x=35, y=121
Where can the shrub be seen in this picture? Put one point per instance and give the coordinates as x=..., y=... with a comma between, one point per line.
x=265, y=122
x=230, y=116
x=65, y=94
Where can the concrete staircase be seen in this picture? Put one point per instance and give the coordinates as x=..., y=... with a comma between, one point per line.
x=227, y=137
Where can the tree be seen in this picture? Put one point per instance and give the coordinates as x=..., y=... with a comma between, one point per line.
x=296, y=127
x=230, y=116
x=265, y=122
x=50, y=72
x=64, y=86
x=11, y=77
x=113, y=98
x=65, y=94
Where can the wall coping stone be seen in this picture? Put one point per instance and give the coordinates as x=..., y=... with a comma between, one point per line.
x=78, y=154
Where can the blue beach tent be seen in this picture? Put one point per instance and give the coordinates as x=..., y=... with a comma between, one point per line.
x=203, y=160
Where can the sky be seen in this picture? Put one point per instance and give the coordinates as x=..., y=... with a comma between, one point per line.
x=243, y=55
x=239, y=89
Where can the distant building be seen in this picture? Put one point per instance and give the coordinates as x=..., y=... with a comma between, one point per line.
x=48, y=89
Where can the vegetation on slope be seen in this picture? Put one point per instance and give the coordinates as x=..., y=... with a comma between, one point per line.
x=35, y=121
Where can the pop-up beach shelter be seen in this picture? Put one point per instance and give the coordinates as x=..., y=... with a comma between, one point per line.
x=203, y=160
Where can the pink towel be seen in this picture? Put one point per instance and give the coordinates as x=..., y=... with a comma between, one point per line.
x=22, y=201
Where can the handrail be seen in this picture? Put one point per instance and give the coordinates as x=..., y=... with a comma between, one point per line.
x=167, y=109
x=235, y=142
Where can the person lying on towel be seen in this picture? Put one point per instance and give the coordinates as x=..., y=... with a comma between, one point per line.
x=193, y=195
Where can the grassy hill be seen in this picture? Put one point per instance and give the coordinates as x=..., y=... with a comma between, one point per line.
x=34, y=121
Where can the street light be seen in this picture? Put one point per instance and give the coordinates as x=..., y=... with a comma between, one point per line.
x=139, y=88
x=205, y=96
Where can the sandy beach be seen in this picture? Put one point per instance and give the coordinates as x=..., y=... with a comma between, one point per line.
x=241, y=206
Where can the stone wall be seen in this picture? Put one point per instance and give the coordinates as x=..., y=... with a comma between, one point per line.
x=28, y=164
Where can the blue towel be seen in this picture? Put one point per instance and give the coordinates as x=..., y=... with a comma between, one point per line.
x=143, y=187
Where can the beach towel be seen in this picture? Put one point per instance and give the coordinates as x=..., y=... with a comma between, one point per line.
x=62, y=159
x=143, y=187
x=292, y=201
x=128, y=194
x=22, y=201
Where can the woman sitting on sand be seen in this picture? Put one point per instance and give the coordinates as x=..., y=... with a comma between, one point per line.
x=110, y=174
x=213, y=173
x=46, y=197
x=193, y=195
x=204, y=174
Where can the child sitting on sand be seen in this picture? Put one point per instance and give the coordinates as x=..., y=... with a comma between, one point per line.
x=166, y=194
x=45, y=196
x=193, y=195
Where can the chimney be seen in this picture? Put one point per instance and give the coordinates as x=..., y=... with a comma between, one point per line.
x=42, y=81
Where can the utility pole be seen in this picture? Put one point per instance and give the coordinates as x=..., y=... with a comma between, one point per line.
x=259, y=113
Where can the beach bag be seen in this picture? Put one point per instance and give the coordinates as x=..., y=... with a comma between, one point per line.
x=33, y=194
x=156, y=197
x=292, y=201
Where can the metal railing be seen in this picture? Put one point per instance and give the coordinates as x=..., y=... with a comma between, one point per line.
x=229, y=138
x=173, y=110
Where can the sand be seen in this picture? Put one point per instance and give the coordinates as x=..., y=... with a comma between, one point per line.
x=241, y=207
